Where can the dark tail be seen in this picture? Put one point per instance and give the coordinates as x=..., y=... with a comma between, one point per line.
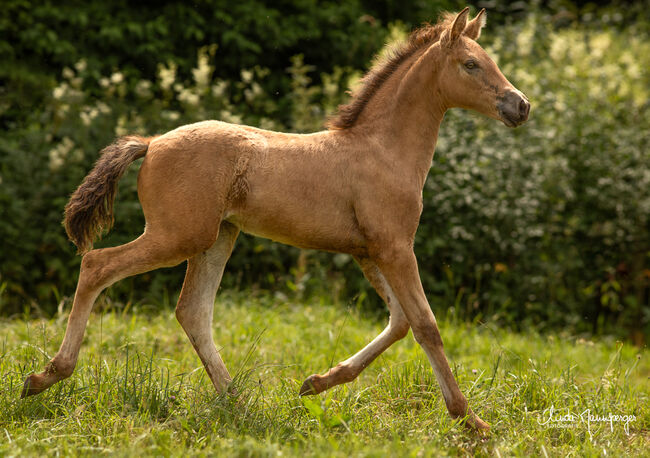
x=90, y=210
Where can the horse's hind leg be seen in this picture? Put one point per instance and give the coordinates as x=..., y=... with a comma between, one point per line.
x=397, y=329
x=99, y=269
x=196, y=303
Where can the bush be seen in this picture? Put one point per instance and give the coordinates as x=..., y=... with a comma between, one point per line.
x=549, y=223
x=546, y=225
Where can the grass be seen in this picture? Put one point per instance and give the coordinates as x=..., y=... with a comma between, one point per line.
x=139, y=389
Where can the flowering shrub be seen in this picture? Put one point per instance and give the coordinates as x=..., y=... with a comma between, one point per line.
x=543, y=225
x=550, y=222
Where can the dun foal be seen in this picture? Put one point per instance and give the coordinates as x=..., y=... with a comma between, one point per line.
x=355, y=188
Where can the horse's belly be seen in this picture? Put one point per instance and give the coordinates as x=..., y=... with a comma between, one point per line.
x=320, y=230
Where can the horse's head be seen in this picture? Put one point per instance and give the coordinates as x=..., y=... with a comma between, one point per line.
x=470, y=79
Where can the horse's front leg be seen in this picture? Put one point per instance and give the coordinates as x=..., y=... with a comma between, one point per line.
x=400, y=269
x=397, y=329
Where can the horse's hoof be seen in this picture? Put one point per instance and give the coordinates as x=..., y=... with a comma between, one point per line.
x=476, y=424
x=31, y=386
x=308, y=387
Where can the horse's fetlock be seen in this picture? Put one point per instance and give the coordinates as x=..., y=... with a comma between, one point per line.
x=346, y=372
x=458, y=408
x=60, y=369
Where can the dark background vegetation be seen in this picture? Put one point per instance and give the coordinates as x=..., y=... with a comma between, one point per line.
x=544, y=226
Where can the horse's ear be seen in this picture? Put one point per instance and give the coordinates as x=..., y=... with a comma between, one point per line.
x=456, y=29
x=473, y=29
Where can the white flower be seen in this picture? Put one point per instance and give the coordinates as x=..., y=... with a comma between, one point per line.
x=67, y=73
x=246, y=76
x=256, y=89
x=55, y=161
x=143, y=88
x=188, y=97
x=230, y=117
x=117, y=78
x=167, y=75
x=219, y=89
x=559, y=46
x=171, y=115
x=81, y=65
x=120, y=129
x=268, y=124
x=600, y=43
x=88, y=115
x=103, y=108
x=85, y=118
x=525, y=37
x=60, y=152
x=203, y=71
x=60, y=91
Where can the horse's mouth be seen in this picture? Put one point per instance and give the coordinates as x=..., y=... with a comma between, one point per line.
x=510, y=122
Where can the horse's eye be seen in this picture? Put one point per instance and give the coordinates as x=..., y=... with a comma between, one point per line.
x=470, y=64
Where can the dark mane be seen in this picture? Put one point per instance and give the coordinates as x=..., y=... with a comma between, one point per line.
x=426, y=35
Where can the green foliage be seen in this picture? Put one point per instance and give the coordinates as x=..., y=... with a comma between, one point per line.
x=549, y=223
x=544, y=225
x=38, y=39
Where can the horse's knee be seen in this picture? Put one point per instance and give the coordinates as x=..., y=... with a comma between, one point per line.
x=187, y=316
x=427, y=333
x=182, y=313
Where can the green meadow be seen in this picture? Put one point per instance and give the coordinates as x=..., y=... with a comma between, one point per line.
x=139, y=388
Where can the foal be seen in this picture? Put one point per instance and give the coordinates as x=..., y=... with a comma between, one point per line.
x=355, y=188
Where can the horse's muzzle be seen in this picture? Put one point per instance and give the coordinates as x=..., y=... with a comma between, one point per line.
x=513, y=108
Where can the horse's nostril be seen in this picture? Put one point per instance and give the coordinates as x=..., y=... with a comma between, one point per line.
x=524, y=107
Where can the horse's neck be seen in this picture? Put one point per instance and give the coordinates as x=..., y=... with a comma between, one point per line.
x=412, y=111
